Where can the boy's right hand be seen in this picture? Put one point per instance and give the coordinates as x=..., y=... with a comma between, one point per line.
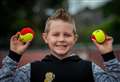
x=17, y=46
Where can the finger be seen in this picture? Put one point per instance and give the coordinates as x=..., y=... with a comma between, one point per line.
x=94, y=41
x=109, y=38
x=27, y=44
x=14, y=38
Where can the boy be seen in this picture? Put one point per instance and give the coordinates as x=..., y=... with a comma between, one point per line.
x=60, y=65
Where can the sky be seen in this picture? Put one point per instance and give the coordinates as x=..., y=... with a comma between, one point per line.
x=78, y=5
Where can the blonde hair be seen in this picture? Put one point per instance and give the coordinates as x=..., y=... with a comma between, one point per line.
x=60, y=14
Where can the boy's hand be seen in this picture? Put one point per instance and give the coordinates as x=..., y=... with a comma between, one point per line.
x=105, y=47
x=17, y=46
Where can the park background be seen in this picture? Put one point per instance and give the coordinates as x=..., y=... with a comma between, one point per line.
x=89, y=15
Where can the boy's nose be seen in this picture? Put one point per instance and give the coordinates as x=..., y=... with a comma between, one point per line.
x=61, y=38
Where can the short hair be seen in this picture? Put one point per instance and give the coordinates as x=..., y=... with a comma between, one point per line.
x=60, y=14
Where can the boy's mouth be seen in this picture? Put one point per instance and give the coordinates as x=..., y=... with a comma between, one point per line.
x=61, y=46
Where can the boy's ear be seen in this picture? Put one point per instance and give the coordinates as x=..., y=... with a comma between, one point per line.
x=76, y=38
x=44, y=36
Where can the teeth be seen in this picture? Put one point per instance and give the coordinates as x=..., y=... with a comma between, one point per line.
x=61, y=46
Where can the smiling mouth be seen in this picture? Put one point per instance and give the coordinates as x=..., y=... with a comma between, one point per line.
x=61, y=46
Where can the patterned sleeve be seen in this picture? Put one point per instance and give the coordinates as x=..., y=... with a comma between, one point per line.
x=111, y=73
x=10, y=73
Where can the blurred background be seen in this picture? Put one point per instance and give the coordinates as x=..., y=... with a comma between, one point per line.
x=88, y=14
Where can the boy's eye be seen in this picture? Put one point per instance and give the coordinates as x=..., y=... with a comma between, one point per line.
x=56, y=34
x=67, y=35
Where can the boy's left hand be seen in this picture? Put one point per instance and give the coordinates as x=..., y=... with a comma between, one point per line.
x=105, y=47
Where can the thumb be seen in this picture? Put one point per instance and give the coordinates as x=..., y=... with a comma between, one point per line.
x=26, y=44
x=94, y=41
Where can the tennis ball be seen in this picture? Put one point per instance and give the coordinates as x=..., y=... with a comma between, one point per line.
x=26, y=37
x=26, y=34
x=99, y=36
x=26, y=30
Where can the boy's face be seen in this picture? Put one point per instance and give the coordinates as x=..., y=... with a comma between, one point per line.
x=60, y=37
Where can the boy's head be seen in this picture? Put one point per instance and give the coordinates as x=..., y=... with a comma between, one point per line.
x=63, y=15
x=60, y=33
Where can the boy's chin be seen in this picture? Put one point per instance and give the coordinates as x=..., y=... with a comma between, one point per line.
x=62, y=54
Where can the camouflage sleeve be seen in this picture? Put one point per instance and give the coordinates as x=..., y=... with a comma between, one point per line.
x=10, y=73
x=111, y=73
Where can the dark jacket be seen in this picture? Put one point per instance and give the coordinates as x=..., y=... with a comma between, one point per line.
x=71, y=69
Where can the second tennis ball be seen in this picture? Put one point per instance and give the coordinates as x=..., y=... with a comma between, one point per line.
x=99, y=36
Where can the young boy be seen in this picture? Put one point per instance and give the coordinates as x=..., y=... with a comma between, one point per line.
x=60, y=65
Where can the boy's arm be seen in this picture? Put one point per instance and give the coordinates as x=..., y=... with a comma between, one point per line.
x=111, y=73
x=9, y=73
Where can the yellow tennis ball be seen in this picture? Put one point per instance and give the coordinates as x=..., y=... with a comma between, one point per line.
x=27, y=37
x=99, y=36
